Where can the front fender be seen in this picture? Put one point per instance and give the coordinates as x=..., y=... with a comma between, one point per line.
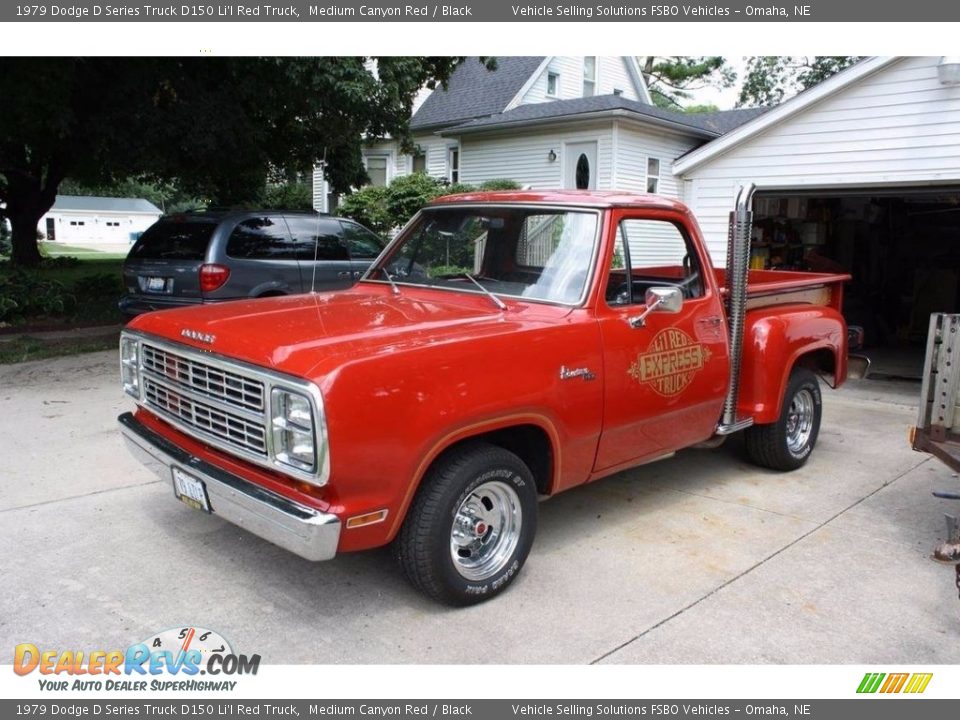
x=775, y=339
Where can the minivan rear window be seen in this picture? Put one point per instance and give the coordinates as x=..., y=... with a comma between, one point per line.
x=174, y=240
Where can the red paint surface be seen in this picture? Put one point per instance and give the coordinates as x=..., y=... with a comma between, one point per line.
x=405, y=377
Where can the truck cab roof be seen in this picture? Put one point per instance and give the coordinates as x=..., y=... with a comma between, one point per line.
x=589, y=198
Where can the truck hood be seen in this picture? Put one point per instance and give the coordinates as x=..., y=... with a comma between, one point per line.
x=306, y=335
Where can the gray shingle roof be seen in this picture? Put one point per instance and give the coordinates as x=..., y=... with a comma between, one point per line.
x=473, y=91
x=723, y=121
x=707, y=125
x=66, y=203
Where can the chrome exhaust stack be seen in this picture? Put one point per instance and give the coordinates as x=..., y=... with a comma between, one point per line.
x=738, y=265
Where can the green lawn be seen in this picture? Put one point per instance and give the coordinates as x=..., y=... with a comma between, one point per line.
x=58, y=250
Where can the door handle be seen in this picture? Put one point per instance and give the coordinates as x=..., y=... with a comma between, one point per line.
x=711, y=321
x=343, y=274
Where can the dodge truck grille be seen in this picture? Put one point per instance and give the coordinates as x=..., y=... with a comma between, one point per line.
x=229, y=428
x=223, y=385
x=225, y=407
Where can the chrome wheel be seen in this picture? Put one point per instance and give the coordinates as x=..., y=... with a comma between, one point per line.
x=486, y=530
x=800, y=421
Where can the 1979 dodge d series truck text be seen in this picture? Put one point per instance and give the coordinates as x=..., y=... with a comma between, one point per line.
x=505, y=346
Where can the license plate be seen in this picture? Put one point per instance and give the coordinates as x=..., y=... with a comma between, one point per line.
x=190, y=490
x=156, y=284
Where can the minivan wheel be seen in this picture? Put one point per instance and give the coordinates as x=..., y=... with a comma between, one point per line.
x=470, y=527
x=787, y=443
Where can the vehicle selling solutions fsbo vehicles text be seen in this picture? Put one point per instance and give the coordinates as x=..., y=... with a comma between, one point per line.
x=655, y=11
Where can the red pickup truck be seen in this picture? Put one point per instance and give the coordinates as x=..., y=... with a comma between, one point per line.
x=505, y=347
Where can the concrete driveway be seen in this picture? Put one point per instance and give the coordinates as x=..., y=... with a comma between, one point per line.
x=698, y=559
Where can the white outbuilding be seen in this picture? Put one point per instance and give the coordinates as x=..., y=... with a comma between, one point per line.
x=77, y=220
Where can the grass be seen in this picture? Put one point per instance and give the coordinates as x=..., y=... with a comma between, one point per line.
x=24, y=348
x=100, y=309
x=82, y=253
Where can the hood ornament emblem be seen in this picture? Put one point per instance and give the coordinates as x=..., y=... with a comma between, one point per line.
x=198, y=336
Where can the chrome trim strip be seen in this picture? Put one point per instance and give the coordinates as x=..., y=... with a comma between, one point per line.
x=302, y=530
x=271, y=379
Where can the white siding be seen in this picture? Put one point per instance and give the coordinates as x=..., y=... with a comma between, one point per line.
x=657, y=242
x=634, y=146
x=88, y=227
x=897, y=126
x=611, y=74
x=436, y=149
x=523, y=157
x=319, y=189
x=397, y=163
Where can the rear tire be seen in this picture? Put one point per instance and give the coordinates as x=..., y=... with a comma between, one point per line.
x=470, y=527
x=787, y=443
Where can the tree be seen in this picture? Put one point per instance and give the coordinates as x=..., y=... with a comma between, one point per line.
x=672, y=80
x=166, y=195
x=216, y=125
x=770, y=79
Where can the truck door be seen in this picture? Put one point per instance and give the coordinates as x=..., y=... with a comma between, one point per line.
x=664, y=383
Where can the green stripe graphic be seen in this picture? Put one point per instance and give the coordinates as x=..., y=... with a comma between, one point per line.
x=870, y=682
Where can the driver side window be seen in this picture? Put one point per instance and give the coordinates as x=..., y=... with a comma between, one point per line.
x=651, y=253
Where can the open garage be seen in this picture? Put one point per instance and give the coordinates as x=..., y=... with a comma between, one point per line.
x=900, y=244
x=860, y=174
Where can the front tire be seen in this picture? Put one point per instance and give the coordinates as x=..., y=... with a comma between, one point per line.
x=787, y=443
x=470, y=527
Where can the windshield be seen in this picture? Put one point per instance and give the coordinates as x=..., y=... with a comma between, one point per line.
x=526, y=252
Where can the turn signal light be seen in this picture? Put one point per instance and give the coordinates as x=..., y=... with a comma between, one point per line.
x=213, y=276
x=368, y=519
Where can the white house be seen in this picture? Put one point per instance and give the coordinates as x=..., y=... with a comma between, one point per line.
x=546, y=122
x=97, y=220
x=860, y=173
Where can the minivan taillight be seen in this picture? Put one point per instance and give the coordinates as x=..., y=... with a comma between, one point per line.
x=213, y=276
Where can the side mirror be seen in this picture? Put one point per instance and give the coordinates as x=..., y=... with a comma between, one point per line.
x=659, y=299
x=664, y=299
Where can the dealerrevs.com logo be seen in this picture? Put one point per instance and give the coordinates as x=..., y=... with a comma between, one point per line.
x=181, y=653
x=891, y=683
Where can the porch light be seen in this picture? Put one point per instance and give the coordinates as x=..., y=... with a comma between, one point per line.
x=552, y=155
x=948, y=70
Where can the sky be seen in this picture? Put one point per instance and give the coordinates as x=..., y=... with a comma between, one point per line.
x=724, y=98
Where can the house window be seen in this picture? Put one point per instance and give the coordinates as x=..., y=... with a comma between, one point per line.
x=589, y=76
x=377, y=170
x=618, y=92
x=453, y=165
x=553, y=84
x=653, y=175
x=419, y=162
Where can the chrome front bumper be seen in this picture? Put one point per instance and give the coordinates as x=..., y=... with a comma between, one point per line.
x=309, y=533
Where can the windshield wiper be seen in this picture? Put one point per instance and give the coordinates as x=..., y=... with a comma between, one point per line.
x=496, y=301
x=389, y=277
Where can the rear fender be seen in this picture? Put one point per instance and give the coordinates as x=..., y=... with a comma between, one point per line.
x=778, y=338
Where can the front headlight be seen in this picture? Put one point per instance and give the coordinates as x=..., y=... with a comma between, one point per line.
x=294, y=432
x=130, y=366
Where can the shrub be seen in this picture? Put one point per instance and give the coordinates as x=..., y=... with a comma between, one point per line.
x=25, y=294
x=382, y=209
x=289, y=196
x=500, y=184
x=408, y=193
x=98, y=286
x=368, y=206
